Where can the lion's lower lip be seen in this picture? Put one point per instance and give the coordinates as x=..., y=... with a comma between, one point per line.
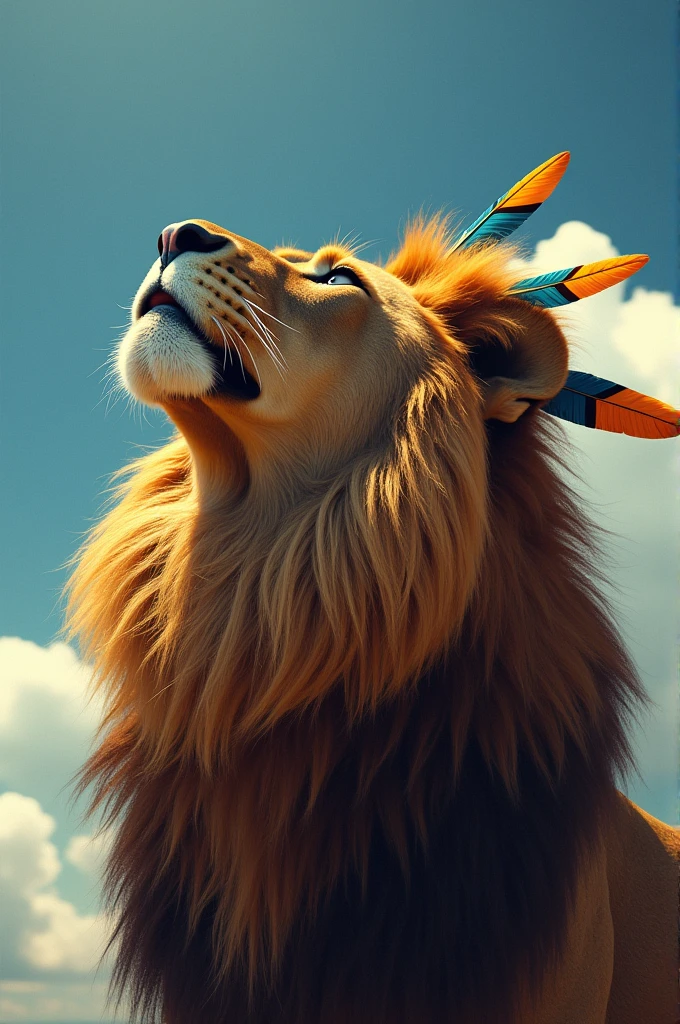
x=160, y=298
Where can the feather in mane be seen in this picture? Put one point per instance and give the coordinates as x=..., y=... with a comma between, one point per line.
x=563, y=286
x=510, y=211
x=604, y=405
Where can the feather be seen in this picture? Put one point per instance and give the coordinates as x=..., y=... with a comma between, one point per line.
x=595, y=402
x=510, y=211
x=563, y=286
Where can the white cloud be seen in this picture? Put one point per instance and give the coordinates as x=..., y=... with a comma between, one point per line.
x=573, y=243
x=29, y=860
x=69, y=941
x=49, y=947
x=41, y=931
x=12, y=1010
x=22, y=987
x=88, y=852
x=55, y=670
x=647, y=334
x=46, y=721
x=62, y=1001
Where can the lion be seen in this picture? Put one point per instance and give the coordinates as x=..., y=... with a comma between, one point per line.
x=366, y=706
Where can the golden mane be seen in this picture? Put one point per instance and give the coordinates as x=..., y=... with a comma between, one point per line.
x=269, y=659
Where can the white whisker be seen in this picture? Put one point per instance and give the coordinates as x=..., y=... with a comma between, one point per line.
x=273, y=349
x=237, y=341
x=269, y=334
x=267, y=348
x=281, y=367
x=287, y=326
x=240, y=359
x=231, y=330
x=101, y=367
x=113, y=388
x=252, y=359
x=227, y=346
x=266, y=336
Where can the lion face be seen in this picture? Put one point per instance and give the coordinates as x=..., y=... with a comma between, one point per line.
x=299, y=355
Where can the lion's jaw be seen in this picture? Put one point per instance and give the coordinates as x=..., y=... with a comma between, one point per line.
x=303, y=372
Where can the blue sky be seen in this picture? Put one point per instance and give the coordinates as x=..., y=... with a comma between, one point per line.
x=293, y=122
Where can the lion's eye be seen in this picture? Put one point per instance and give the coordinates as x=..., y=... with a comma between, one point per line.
x=341, y=276
x=344, y=276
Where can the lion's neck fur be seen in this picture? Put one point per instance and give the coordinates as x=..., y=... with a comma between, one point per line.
x=256, y=747
x=213, y=616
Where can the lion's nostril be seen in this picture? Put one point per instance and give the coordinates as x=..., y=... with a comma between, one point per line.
x=188, y=237
x=193, y=238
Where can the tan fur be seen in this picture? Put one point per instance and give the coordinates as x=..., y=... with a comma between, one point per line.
x=620, y=964
x=288, y=567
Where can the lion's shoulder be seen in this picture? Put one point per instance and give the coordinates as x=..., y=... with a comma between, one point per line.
x=643, y=859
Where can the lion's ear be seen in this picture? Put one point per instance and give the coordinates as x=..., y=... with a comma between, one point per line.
x=520, y=358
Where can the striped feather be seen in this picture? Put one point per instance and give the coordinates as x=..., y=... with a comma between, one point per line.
x=510, y=211
x=595, y=402
x=564, y=286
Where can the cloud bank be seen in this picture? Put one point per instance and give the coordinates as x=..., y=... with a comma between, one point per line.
x=49, y=948
x=631, y=485
x=43, y=931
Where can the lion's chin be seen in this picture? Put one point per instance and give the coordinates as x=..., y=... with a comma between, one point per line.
x=164, y=355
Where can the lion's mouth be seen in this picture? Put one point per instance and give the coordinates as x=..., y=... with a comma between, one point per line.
x=232, y=377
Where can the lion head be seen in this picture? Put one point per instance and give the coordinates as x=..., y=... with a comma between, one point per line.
x=347, y=630
x=333, y=418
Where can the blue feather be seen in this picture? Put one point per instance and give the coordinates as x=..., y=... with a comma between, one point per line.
x=497, y=227
x=568, y=405
x=562, y=286
x=543, y=280
x=544, y=291
x=589, y=384
x=576, y=402
x=511, y=210
x=596, y=402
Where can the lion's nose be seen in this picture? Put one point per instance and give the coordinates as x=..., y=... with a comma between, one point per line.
x=189, y=236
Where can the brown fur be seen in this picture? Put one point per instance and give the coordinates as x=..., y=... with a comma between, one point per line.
x=382, y=663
